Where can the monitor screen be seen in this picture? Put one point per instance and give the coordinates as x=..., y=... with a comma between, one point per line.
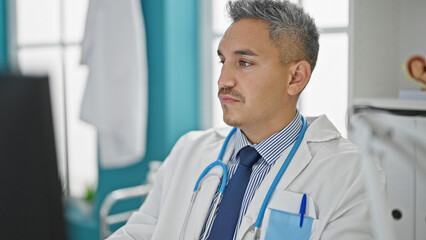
x=30, y=190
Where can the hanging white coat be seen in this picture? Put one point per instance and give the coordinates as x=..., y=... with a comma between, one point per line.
x=116, y=95
x=326, y=167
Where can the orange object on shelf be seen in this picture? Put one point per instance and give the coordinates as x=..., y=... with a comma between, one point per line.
x=416, y=68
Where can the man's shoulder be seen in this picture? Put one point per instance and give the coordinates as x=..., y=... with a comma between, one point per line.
x=332, y=154
x=321, y=129
x=323, y=138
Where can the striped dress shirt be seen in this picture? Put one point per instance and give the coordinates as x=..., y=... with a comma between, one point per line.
x=270, y=150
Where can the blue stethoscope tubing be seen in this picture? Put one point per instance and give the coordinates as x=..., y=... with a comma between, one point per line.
x=278, y=177
x=220, y=163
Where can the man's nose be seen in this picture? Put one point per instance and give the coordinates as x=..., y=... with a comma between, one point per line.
x=227, y=77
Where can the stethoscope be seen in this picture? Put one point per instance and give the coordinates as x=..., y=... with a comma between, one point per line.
x=254, y=230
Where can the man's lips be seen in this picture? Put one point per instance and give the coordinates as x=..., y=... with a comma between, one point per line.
x=227, y=99
x=229, y=95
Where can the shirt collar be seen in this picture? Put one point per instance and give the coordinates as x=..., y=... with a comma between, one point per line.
x=271, y=148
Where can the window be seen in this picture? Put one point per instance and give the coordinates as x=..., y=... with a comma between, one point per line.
x=45, y=39
x=327, y=91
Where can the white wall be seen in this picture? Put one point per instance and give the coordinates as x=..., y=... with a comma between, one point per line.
x=384, y=34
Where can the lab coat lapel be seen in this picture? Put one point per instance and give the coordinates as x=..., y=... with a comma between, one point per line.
x=208, y=188
x=301, y=159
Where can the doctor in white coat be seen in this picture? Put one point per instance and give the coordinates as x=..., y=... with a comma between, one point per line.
x=268, y=55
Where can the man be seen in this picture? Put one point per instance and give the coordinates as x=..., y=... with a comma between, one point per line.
x=268, y=54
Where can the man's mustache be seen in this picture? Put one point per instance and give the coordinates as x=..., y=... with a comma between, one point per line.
x=229, y=91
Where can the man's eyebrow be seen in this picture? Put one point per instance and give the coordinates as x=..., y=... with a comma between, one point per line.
x=247, y=52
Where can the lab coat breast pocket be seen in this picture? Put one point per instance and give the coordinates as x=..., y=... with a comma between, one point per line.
x=284, y=225
x=282, y=218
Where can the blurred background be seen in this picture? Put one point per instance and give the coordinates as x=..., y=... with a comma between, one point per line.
x=362, y=46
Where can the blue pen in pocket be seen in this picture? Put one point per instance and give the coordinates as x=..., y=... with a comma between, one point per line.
x=302, y=210
x=294, y=223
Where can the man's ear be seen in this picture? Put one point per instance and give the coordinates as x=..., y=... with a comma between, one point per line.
x=300, y=74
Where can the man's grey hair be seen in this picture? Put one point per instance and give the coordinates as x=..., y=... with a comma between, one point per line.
x=288, y=24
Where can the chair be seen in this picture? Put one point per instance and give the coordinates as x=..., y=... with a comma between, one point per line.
x=107, y=219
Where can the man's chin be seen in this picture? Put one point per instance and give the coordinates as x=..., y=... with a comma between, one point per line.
x=231, y=122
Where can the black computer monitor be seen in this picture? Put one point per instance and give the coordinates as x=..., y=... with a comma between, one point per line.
x=30, y=190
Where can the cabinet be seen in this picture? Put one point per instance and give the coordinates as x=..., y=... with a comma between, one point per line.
x=400, y=124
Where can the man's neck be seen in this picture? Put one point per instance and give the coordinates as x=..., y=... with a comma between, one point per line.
x=260, y=132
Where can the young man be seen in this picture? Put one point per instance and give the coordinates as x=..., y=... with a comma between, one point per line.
x=268, y=54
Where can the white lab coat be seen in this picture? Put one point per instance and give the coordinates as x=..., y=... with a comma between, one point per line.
x=326, y=167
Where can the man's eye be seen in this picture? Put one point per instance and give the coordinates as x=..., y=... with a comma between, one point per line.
x=222, y=62
x=245, y=63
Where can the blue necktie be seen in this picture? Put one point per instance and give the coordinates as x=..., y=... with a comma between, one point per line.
x=229, y=208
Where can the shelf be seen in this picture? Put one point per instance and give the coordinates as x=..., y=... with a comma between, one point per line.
x=391, y=104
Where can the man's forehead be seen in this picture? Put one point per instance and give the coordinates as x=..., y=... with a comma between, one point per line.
x=245, y=37
x=247, y=26
x=246, y=33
